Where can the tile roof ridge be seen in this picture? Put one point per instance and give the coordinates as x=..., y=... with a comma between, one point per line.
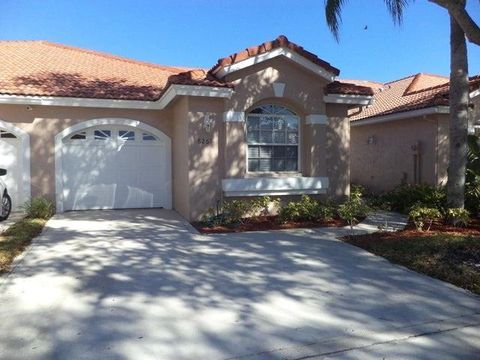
x=434, y=75
x=173, y=69
x=279, y=42
x=361, y=80
x=401, y=79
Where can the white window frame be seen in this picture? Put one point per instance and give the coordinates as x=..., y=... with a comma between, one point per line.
x=298, y=144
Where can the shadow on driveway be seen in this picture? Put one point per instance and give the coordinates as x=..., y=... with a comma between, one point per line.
x=140, y=285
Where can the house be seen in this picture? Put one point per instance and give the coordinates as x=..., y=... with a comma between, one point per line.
x=90, y=130
x=403, y=135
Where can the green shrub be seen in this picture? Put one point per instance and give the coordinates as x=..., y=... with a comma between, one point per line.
x=352, y=210
x=263, y=204
x=378, y=202
x=472, y=176
x=211, y=219
x=424, y=216
x=458, y=217
x=325, y=212
x=38, y=208
x=404, y=197
x=356, y=191
x=235, y=210
x=307, y=209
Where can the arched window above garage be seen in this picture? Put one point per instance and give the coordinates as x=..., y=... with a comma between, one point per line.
x=112, y=133
x=7, y=135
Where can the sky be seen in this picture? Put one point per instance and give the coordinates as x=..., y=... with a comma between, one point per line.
x=195, y=33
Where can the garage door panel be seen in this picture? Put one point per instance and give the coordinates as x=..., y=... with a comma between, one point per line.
x=11, y=159
x=115, y=174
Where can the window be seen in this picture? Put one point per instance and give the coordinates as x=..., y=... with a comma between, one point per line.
x=6, y=135
x=102, y=134
x=126, y=135
x=272, y=138
x=148, y=137
x=82, y=135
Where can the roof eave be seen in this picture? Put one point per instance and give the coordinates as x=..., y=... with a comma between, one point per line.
x=348, y=99
x=401, y=115
x=169, y=94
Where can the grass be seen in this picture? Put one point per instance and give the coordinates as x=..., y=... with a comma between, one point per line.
x=451, y=257
x=16, y=238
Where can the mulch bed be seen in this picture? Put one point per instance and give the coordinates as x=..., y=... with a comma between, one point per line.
x=472, y=229
x=264, y=223
x=445, y=252
x=410, y=231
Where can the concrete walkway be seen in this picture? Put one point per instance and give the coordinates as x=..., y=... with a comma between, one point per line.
x=141, y=285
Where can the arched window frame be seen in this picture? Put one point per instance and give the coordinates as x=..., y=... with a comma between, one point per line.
x=275, y=147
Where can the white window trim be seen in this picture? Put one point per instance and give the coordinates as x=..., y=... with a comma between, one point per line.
x=299, y=148
x=59, y=194
x=24, y=138
x=167, y=97
x=234, y=116
x=282, y=51
x=262, y=186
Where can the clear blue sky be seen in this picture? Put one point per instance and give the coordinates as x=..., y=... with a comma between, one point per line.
x=198, y=32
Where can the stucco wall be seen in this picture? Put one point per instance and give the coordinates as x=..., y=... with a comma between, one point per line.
x=201, y=159
x=382, y=155
x=338, y=151
x=303, y=94
x=180, y=157
x=44, y=122
x=205, y=161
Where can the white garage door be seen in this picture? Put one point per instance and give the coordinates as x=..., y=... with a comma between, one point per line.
x=11, y=159
x=115, y=167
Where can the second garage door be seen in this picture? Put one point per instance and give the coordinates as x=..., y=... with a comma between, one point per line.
x=115, y=167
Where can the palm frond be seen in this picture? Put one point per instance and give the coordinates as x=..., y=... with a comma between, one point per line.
x=396, y=7
x=333, y=13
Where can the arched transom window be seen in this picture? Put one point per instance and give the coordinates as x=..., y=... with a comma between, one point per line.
x=106, y=133
x=272, y=138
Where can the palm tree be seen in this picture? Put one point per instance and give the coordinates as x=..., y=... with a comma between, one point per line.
x=461, y=26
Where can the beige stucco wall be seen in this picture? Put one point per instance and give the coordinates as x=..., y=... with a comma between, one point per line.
x=303, y=93
x=201, y=159
x=205, y=154
x=44, y=122
x=387, y=159
x=180, y=157
x=338, y=151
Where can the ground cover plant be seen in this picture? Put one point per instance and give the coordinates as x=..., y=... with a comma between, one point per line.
x=17, y=237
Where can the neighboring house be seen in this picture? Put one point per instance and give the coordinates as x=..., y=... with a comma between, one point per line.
x=402, y=137
x=95, y=131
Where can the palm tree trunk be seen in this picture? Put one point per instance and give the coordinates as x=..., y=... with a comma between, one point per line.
x=459, y=93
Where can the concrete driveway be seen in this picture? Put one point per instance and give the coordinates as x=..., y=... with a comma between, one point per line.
x=140, y=285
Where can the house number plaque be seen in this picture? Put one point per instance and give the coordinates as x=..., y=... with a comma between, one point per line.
x=204, y=141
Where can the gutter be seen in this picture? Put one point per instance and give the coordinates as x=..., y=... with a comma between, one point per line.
x=401, y=115
x=171, y=92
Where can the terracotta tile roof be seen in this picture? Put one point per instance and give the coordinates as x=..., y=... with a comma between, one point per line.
x=42, y=68
x=348, y=88
x=197, y=77
x=279, y=42
x=410, y=93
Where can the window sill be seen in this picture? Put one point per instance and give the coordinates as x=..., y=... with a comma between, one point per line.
x=261, y=186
